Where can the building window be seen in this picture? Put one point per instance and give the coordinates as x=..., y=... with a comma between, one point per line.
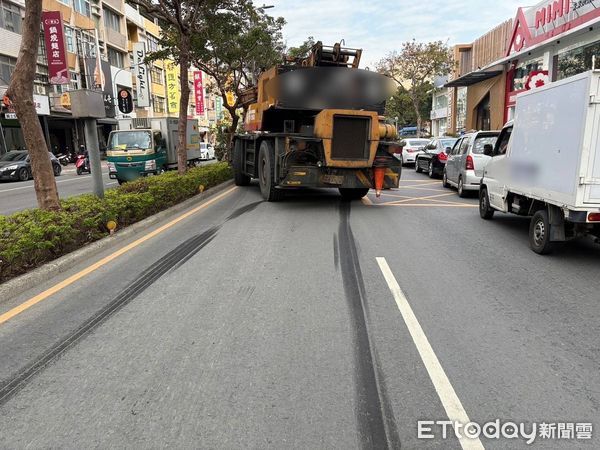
x=522, y=72
x=10, y=19
x=74, y=84
x=7, y=67
x=441, y=101
x=156, y=74
x=69, y=39
x=41, y=49
x=86, y=44
x=115, y=58
x=158, y=104
x=578, y=60
x=82, y=7
x=112, y=20
x=152, y=44
x=41, y=75
x=66, y=2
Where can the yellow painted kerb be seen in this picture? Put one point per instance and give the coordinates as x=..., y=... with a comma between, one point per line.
x=79, y=275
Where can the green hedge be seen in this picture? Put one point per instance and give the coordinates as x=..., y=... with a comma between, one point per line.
x=33, y=237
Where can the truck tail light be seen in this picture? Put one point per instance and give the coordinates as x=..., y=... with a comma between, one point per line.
x=469, y=164
x=594, y=217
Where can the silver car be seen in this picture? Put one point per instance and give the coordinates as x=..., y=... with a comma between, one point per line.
x=466, y=161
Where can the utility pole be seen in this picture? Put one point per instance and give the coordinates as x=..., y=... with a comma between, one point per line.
x=91, y=137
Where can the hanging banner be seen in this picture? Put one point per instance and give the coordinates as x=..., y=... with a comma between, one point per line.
x=109, y=98
x=141, y=74
x=125, y=101
x=58, y=70
x=173, y=91
x=198, y=92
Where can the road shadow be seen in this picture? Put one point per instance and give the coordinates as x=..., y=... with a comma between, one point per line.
x=582, y=249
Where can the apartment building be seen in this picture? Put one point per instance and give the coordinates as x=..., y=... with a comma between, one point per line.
x=99, y=36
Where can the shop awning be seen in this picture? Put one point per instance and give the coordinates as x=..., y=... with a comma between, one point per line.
x=107, y=121
x=475, y=77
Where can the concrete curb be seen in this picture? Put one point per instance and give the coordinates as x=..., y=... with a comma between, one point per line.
x=20, y=284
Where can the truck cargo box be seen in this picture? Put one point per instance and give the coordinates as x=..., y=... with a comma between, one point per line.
x=555, y=145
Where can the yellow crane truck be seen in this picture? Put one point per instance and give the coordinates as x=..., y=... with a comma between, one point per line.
x=318, y=122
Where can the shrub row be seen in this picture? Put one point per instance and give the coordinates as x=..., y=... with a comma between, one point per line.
x=34, y=237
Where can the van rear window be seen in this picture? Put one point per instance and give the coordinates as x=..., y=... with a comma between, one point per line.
x=480, y=143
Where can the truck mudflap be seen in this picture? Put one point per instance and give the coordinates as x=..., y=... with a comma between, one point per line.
x=310, y=176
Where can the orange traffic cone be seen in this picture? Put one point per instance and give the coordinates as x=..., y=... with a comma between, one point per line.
x=379, y=175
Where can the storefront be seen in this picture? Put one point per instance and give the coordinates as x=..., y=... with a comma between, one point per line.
x=551, y=41
x=10, y=129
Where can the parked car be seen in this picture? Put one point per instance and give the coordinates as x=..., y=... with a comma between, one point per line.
x=15, y=165
x=466, y=161
x=207, y=151
x=433, y=159
x=412, y=132
x=410, y=149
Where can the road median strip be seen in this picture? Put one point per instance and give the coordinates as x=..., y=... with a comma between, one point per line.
x=42, y=244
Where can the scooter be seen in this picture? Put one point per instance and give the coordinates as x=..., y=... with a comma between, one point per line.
x=63, y=159
x=83, y=165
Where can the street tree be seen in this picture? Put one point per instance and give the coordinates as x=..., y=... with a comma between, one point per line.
x=20, y=93
x=240, y=43
x=414, y=66
x=400, y=105
x=182, y=19
x=301, y=51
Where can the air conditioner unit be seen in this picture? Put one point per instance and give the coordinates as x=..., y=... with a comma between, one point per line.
x=141, y=122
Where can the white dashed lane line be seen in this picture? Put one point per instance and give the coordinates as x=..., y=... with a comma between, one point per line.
x=443, y=387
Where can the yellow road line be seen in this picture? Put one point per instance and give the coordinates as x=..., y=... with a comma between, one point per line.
x=418, y=186
x=395, y=195
x=431, y=205
x=79, y=275
x=429, y=197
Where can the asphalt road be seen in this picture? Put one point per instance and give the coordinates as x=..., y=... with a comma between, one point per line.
x=18, y=195
x=279, y=325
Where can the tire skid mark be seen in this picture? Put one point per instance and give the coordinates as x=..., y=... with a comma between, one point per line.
x=375, y=417
x=166, y=264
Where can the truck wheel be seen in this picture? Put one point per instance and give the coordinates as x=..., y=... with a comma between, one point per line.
x=539, y=233
x=240, y=178
x=266, y=173
x=120, y=181
x=353, y=193
x=485, y=210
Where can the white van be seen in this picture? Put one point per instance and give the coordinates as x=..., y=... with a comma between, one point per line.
x=546, y=163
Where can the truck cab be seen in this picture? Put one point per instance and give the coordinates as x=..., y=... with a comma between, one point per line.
x=135, y=153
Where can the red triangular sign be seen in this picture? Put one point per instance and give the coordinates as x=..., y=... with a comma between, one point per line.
x=521, y=36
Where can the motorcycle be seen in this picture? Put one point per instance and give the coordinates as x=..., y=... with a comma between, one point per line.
x=83, y=165
x=63, y=159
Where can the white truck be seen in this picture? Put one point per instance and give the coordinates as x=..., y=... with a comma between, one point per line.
x=146, y=146
x=546, y=163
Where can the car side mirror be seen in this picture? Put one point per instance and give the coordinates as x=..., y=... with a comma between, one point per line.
x=448, y=150
x=488, y=150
